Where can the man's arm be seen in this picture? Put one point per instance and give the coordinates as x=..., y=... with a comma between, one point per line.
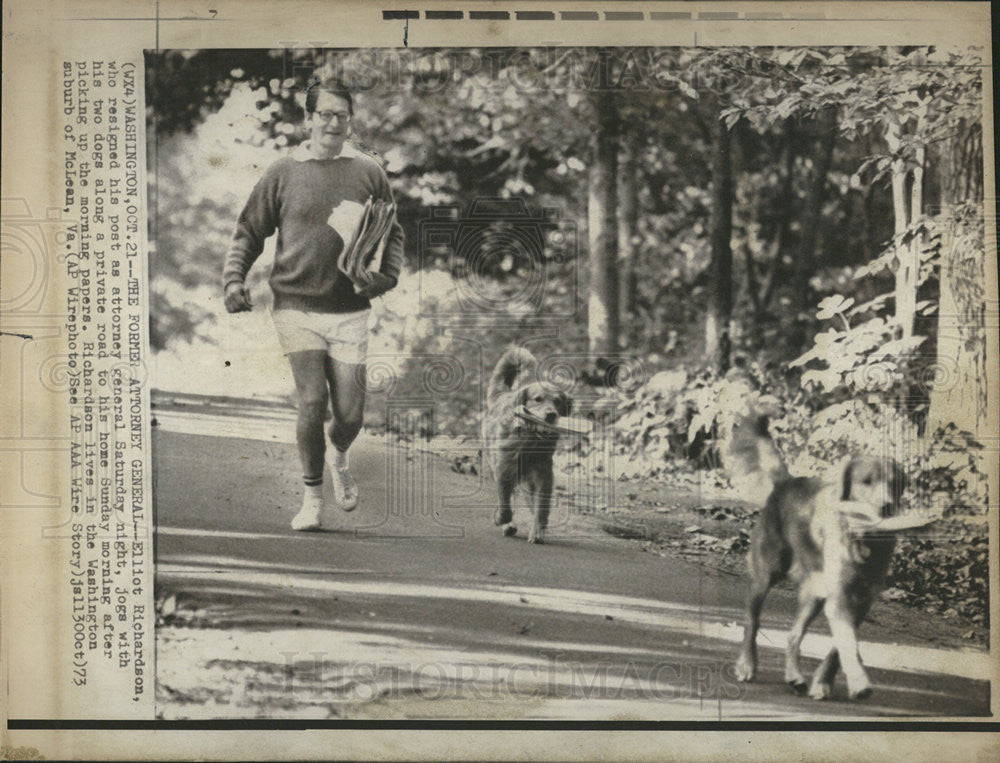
x=392, y=258
x=257, y=221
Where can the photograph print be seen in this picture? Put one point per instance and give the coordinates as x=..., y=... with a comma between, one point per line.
x=570, y=383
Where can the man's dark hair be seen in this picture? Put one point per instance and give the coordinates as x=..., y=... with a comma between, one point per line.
x=332, y=87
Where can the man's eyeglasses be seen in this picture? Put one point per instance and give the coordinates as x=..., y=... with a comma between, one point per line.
x=326, y=116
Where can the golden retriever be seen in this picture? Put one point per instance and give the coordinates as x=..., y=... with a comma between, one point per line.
x=520, y=432
x=826, y=538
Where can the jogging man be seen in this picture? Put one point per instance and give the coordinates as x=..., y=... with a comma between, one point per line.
x=321, y=321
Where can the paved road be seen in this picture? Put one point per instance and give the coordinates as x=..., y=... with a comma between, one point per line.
x=414, y=606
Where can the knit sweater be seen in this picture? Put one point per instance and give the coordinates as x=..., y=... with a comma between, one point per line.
x=297, y=196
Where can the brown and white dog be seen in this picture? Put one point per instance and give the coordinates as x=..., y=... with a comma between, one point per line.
x=519, y=437
x=825, y=537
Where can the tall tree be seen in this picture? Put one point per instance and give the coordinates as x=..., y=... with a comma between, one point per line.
x=713, y=89
x=602, y=226
x=812, y=214
x=764, y=257
x=628, y=224
x=958, y=393
x=907, y=192
x=718, y=339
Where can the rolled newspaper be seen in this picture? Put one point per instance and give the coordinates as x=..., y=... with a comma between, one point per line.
x=362, y=254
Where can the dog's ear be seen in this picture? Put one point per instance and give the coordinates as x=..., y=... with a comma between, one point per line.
x=847, y=480
x=564, y=404
x=510, y=373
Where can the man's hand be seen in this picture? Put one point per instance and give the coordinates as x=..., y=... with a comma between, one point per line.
x=380, y=285
x=237, y=298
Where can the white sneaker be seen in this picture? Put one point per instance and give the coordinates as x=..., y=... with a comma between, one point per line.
x=345, y=489
x=308, y=517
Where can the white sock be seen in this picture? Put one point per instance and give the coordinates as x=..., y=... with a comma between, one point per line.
x=340, y=458
x=315, y=491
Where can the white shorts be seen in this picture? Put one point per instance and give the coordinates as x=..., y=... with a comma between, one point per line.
x=342, y=336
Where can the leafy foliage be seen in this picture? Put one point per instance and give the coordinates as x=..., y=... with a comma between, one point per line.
x=946, y=574
x=896, y=82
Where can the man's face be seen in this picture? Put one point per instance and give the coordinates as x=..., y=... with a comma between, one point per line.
x=330, y=123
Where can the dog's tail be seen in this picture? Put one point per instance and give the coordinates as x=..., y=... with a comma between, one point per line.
x=515, y=364
x=750, y=457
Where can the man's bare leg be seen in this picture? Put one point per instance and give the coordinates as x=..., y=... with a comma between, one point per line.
x=312, y=393
x=347, y=391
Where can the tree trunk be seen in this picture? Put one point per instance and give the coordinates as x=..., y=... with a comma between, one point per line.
x=785, y=204
x=602, y=209
x=906, y=196
x=718, y=343
x=628, y=223
x=958, y=388
x=907, y=189
x=812, y=217
x=907, y=203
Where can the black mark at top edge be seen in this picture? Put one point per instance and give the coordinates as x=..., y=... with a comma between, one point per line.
x=399, y=15
x=489, y=15
x=535, y=15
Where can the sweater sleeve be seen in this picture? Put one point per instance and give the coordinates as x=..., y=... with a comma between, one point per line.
x=257, y=221
x=392, y=259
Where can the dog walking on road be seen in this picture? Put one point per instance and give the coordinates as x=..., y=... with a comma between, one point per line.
x=520, y=432
x=833, y=540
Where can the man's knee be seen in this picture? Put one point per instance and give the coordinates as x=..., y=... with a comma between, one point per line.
x=313, y=402
x=350, y=421
x=349, y=409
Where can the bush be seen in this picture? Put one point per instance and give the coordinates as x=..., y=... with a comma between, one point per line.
x=946, y=575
